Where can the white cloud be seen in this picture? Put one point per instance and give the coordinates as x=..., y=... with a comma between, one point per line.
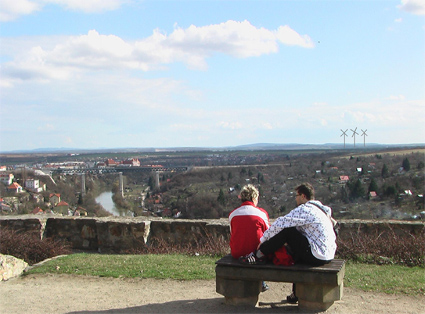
x=385, y=113
x=231, y=125
x=69, y=56
x=46, y=127
x=396, y=97
x=194, y=44
x=323, y=122
x=360, y=116
x=90, y=6
x=239, y=39
x=12, y=9
x=93, y=51
x=288, y=36
x=416, y=7
x=266, y=126
x=68, y=140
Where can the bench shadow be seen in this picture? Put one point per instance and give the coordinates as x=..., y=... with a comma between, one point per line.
x=216, y=305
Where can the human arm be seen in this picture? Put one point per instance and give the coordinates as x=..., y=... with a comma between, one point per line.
x=297, y=217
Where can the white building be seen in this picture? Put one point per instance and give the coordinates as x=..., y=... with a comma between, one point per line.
x=33, y=185
x=7, y=178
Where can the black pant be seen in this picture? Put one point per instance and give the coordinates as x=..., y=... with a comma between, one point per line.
x=299, y=248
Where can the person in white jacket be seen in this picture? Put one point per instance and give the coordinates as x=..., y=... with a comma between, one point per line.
x=306, y=231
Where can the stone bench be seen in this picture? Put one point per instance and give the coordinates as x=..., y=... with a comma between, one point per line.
x=317, y=287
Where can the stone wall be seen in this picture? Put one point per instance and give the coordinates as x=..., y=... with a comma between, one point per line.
x=81, y=233
x=117, y=234
x=400, y=228
x=24, y=224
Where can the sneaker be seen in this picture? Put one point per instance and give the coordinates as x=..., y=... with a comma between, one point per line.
x=292, y=298
x=264, y=287
x=252, y=259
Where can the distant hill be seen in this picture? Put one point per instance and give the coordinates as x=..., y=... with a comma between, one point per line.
x=253, y=147
x=295, y=146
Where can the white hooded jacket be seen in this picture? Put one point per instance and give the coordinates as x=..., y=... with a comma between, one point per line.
x=313, y=223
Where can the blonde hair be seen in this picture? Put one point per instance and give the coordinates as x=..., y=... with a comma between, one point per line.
x=249, y=193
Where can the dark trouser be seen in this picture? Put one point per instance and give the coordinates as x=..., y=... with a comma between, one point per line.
x=299, y=248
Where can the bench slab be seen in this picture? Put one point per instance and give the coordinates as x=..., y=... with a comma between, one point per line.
x=317, y=287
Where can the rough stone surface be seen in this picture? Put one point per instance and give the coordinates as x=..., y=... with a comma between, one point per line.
x=11, y=267
x=23, y=224
x=122, y=233
x=383, y=227
x=118, y=235
x=80, y=233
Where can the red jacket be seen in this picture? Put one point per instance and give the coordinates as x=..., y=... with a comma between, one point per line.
x=247, y=225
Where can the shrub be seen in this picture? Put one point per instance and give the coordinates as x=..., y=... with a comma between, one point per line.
x=384, y=248
x=208, y=246
x=29, y=247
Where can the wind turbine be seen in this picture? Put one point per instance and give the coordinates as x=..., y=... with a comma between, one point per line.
x=344, y=134
x=354, y=135
x=364, y=137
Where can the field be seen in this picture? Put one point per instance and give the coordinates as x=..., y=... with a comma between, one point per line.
x=397, y=152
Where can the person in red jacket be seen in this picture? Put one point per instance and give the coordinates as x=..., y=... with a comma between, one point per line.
x=247, y=224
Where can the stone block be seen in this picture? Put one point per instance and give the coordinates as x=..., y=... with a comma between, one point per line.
x=178, y=231
x=118, y=236
x=238, y=292
x=22, y=225
x=11, y=267
x=317, y=287
x=318, y=292
x=80, y=233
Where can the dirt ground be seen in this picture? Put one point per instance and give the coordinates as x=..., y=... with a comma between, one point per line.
x=76, y=294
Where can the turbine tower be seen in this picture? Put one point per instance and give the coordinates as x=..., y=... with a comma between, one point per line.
x=354, y=135
x=344, y=134
x=364, y=137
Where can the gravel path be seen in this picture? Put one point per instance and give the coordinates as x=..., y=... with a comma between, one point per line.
x=77, y=294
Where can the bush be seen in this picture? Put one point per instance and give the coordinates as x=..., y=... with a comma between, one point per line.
x=376, y=248
x=208, y=246
x=29, y=247
x=384, y=248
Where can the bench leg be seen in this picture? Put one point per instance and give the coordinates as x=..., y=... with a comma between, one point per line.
x=304, y=305
x=317, y=297
x=248, y=301
x=238, y=292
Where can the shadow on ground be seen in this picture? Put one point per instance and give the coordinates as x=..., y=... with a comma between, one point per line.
x=200, y=306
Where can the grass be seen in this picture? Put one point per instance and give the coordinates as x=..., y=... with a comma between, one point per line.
x=392, y=279
x=386, y=262
x=159, y=266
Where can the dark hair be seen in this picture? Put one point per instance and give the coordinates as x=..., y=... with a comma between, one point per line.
x=306, y=189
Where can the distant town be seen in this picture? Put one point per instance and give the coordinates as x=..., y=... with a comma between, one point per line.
x=376, y=184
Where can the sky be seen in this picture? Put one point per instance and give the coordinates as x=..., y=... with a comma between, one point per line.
x=168, y=73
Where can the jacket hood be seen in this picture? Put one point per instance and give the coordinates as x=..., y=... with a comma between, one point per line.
x=327, y=209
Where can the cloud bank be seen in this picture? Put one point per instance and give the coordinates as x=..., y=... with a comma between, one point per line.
x=416, y=7
x=192, y=46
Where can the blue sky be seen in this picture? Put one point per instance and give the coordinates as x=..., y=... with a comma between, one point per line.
x=111, y=73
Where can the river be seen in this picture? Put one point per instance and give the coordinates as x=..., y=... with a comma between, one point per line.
x=105, y=199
